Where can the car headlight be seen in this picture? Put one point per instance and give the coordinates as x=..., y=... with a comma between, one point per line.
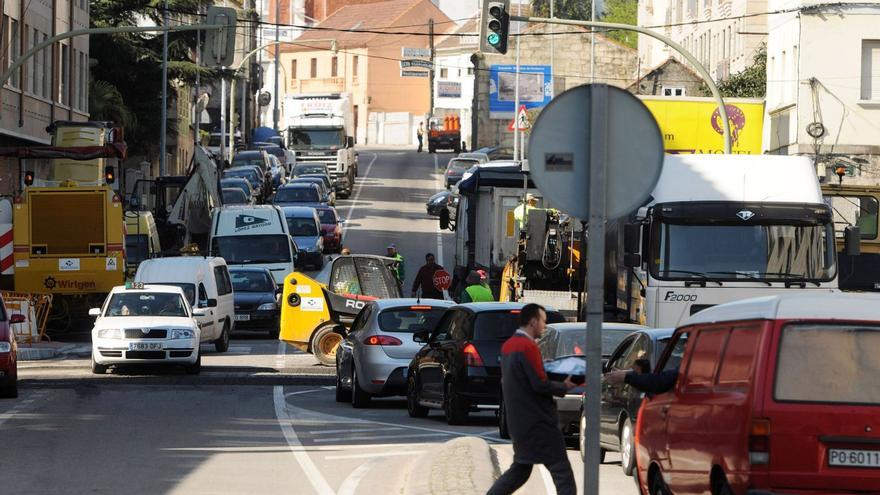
x=109, y=333
x=182, y=333
x=267, y=307
x=5, y=347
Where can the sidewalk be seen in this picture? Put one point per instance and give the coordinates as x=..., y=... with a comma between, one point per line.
x=48, y=350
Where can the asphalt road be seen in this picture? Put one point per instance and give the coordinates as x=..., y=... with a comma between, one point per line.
x=260, y=418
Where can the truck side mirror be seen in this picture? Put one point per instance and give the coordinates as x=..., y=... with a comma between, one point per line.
x=444, y=219
x=632, y=238
x=350, y=141
x=852, y=238
x=632, y=260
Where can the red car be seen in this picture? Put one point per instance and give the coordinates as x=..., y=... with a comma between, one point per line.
x=773, y=395
x=8, y=348
x=331, y=228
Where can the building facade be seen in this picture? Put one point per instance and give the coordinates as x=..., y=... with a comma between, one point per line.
x=454, y=77
x=823, y=86
x=52, y=85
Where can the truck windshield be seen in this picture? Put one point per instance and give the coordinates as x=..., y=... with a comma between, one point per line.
x=304, y=139
x=768, y=253
x=252, y=249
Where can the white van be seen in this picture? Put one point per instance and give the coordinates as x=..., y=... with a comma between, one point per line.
x=206, y=283
x=254, y=235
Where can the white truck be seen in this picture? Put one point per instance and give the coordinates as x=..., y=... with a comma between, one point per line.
x=320, y=129
x=721, y=228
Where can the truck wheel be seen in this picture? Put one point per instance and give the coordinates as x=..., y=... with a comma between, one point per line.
x=432, y=148
x=222, y=342
x=324, y=344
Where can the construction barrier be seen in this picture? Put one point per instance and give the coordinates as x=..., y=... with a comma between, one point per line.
x=6, y=260
x=35, y=308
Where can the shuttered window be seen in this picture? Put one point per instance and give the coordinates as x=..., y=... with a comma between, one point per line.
x=871, y=69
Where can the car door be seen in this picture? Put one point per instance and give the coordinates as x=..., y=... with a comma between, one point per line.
x=225, y=310
x=609, y=404
x=430, y=365
x=206, y=322
x=350, y=345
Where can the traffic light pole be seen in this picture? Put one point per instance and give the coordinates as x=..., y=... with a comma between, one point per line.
x=725, y=124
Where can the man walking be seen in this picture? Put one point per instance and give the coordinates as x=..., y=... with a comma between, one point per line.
x=531, y=411
x=420, y=134
x=425, y=279
x=398, y=268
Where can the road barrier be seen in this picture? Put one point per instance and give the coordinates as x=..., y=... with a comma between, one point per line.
x=35, y=308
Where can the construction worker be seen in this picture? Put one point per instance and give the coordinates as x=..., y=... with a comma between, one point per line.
x=399, y=270
x=521, y=212
x=476, y=291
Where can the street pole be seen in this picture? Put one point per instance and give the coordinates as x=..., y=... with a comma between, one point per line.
x=197, y=117
x=163, y=128
x=222, y=117
x=431, y=72
x=592, y=42
x=516, y=151
x=552, y=47
x=276, y=112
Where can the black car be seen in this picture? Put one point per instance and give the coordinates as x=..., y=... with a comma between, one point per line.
x=252, y=158
x=240, y=183
x=256, y=299
x=441, y=201
x=257, y=181
x=619, y=404
x=299, y=194
x=459, y=368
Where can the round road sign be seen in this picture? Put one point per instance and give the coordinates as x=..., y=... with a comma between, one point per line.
x=442, y=280
x=560, y=151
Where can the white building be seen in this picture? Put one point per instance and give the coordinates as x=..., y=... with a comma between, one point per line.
x=454, y=76
x=724, y=47
x=823, y=84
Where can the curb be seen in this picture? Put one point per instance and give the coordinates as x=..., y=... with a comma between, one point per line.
x=464, y=465
x=36, y=353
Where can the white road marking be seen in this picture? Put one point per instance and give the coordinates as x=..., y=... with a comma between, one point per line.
x=350, y=484
x=281, y=356
x=374, y=455
x=300, y=392
x=18, y=411
x=378, y=437
x=310, y=448
x=357, y=194
x=305, y=462
x=349, y=430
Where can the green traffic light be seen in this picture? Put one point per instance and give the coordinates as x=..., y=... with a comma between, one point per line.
x=493, y=39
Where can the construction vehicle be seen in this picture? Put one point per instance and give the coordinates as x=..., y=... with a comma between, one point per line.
x=141, y=239
x=444, y=134
x=315, y=312
x=856, y=207
x=320, y=129
x=68, y=218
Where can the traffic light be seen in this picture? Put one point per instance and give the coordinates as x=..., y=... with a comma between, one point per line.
x=219, y=48
x=495, y=26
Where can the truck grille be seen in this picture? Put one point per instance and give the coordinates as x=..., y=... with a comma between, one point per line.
x=68, y=223
x=137, y=333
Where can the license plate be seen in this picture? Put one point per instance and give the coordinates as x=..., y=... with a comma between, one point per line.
x=242, y=317
x=854, y=458
x=145, y=346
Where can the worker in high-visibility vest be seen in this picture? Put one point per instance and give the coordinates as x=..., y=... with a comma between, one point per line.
x=476, y=291
x=521, y=212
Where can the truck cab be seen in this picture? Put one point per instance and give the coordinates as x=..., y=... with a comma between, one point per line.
x=856, y=207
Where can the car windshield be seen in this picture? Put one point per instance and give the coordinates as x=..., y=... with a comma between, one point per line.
x=297, y=195
x=500, y=325
x=250, y=249
x=251, y=281
x=409, y=320
x=236, y=182
x=326, y=215
x=309, y=169
x=459, y=165
x=146, y=304
x=323, y=179
x=316, y=138
x=302, y=226
x=744, y=252
x=136, y=247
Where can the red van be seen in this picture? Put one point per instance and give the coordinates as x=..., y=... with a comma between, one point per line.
x=773, y=395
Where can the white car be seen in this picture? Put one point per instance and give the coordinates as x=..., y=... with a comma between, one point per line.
x=146, y=324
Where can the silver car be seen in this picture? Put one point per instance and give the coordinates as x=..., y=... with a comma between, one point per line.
x=373, y=358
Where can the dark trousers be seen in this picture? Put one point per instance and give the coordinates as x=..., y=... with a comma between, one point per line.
x=420, y=143
x=518, y=474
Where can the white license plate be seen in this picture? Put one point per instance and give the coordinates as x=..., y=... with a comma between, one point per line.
x=145, y=346
x=854, y=458
x=242, y=317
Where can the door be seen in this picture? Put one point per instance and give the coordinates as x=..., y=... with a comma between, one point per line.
x=614, y=399
x=429, y=366
x=349, y=346
x=206, y=322
x=225, y=310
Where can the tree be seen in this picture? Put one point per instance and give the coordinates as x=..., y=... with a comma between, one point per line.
x=622, y=12
x=751, y=82
x=619, y=11
x=106, y=103
x=563, y=9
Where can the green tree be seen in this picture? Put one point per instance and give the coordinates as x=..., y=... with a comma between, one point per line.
x=107, y=103
x=751, y=82
x=563, y=9
x=622, y=12
x=619, y=11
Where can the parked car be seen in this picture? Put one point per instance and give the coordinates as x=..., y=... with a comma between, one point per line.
x=8, y=353
x=373, y=359
x=298, y=195
x=328, y=196
x=459, y=368
x=440, y=201
x=256, y=299
x=146, y=324
x=331, y=228
x=475, y=155
x=456, y=168
x=305, y=228
x=620, y=403
x=235, y=196
x=777, y=394
x=240, y=183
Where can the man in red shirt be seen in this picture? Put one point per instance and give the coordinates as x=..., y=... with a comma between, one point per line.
x=425, y=279
x=531, y=410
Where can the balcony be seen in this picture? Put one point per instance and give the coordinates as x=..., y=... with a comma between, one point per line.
x=318, y=85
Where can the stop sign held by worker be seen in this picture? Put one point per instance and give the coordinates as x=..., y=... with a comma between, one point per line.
x=442, y=280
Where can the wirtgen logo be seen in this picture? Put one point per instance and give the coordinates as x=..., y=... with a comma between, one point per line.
x=247, y=222
x=78, y=285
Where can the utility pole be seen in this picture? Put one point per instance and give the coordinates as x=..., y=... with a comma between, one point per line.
x=276, y=112
x=197, y=117
x=592, y=42
x=552, y=47
x=163, y=166
x=516, y=150
x=431, y=72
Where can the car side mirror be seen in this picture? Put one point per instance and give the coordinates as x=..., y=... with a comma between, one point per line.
x=421, y=337
x=20, y=318
x=852, y=237
x=632, y=238
x=444, y=219
x=95, y=312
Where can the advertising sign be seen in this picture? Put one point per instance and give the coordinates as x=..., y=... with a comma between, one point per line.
x=448, y=89
x=535, y=88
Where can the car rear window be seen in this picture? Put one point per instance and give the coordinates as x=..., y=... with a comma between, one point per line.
x=410, y=319
x=500, y=325
x=836, y=364
x=326, y=215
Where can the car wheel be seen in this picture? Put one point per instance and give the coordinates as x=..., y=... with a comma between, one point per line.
x=627, y=447
x=656, y=485
x=275, y=330
x=720, y=485
x=222, y=342
x=413, y=407
x=582, y=440
x=98, y=369
x=359, y=398
x=454, y=406
x=195, y=368
x=503, y=431
x=10, y=391
x=324, y=344
x=342, y=395
x=320, y=264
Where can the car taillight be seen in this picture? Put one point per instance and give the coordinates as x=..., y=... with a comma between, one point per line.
x=759, y=442
x=382, y=340
x=472, y=356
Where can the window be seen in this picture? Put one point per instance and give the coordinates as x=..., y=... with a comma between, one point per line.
x=314, y=68
x=739, y=357
x=293, y=69
x=334, y=66
x=639, y=350
x=203, y=296
x=444, y=73
x=871, y=69
x=14, y=50
x=82, y=82
x=354, y=66
x=36, y=64
x=616, y=360
x=704, y=358
x=673, y=91
x=65, y=76
x=470, y=71
x=860, y=211
x=47, y=69
x=221, y=276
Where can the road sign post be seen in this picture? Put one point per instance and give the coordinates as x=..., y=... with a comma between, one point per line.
x=618, y=165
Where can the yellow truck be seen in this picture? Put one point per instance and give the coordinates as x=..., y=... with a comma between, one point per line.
x=68, y=233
